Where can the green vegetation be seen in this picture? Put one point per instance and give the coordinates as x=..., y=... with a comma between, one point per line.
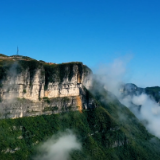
x=5, y=65
x=24, y=90
x=21, y=57
x=47, y=109
x=46, y=99
x=53, y=109
x=154, y=92
x=3, y=55
x=109, y=131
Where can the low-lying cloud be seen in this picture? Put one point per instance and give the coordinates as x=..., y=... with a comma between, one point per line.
x=114, y=75
x=59, y=147
x=111, y=75
x=150, y=111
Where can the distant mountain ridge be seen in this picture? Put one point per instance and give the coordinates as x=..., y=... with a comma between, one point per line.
x=131, y=89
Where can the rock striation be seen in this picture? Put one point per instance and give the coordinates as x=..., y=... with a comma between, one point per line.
x=21, y=85
x=30, y=88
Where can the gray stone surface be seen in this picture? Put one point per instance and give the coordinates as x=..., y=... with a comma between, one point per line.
x=22, y=96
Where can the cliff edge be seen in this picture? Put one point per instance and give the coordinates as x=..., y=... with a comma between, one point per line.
x=28, y=85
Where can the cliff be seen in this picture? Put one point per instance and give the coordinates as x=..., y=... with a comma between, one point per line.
x=29, y=87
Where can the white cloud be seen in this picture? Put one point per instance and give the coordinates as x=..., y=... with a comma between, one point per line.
x=59, y=147
x=112, y=76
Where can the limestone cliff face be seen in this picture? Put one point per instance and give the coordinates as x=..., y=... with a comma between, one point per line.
x=68, y=86
x=21, y=85
x=44, y=89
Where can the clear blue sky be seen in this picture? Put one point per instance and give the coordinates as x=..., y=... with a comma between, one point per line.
x=91, y=31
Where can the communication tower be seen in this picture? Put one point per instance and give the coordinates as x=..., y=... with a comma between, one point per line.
x=17, y=50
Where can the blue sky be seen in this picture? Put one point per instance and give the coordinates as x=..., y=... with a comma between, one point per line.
x=91, y=31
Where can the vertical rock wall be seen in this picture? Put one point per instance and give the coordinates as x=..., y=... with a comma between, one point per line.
x=34, y=91
x=62, y=83
x=21, y=86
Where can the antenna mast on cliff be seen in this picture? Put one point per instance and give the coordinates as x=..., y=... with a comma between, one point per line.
x=17, y=50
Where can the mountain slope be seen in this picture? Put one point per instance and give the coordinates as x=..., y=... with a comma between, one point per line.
x=109, y=131
x=105, y=128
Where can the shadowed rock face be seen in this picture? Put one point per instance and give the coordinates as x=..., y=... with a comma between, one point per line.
x=44, y=89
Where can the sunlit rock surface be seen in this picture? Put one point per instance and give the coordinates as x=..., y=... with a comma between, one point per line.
x=23, y=94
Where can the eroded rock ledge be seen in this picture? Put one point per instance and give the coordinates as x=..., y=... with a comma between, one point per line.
x=30, y=87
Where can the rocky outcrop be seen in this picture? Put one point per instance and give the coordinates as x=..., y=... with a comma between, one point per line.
x=16, y=108
x=46, y=89
x=21, y=85
x=69, y=86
